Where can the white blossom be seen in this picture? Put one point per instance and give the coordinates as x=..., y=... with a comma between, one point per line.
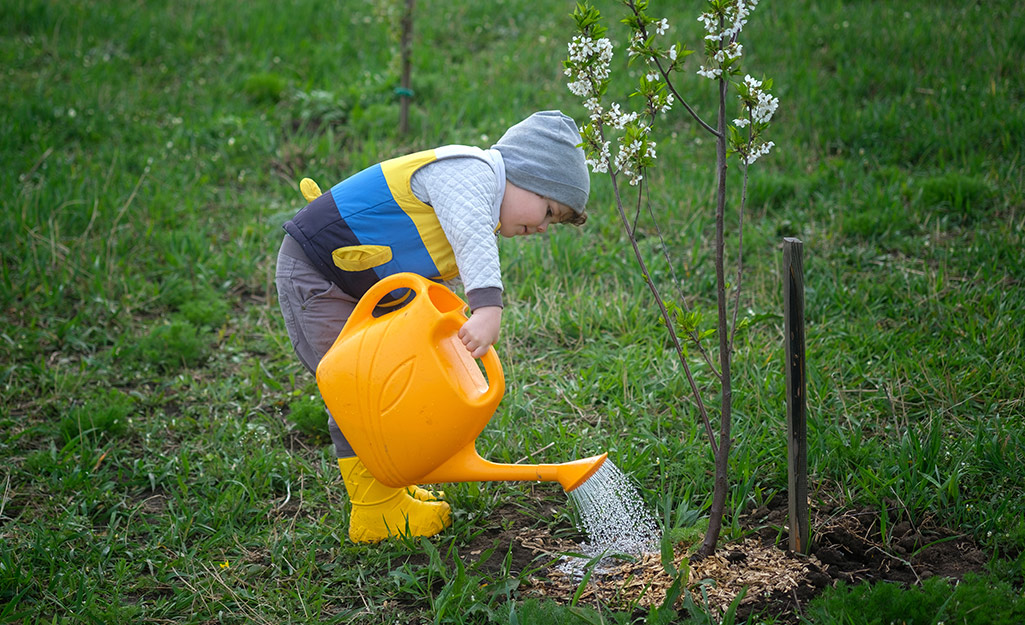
x=741, y=122
x=593, y=54
x=765, y=103
x=636, y=42
x=667, y=104
x=734, y=18
x=630, y=153
x=759, y=151
x=617, y=118
x=731, y=52
x=600, y=165
x=583, y=49
x=661, y=26
x=594, y=108
x=709, y=21
x=588, y=68
x=580, y=88
x=711, y=73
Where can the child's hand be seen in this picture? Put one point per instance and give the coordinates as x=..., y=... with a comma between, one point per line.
x=481, y=330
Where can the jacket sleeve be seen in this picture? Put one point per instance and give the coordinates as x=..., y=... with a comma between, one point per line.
x=462, y=191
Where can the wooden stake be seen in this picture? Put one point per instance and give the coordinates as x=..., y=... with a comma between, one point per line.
x=797, y=421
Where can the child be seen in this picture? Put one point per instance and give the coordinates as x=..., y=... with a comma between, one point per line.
x=434, y=213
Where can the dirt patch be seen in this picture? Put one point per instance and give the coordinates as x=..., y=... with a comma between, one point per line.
x=847, y=545
x=500, y=539
x=853, y=546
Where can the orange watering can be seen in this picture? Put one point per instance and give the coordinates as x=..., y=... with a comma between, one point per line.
x=413, y=400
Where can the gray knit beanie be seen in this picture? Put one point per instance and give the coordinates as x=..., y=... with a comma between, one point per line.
x=541, y=154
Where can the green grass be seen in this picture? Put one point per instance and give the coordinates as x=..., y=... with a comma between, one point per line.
x=158, y=458
x=936, y=601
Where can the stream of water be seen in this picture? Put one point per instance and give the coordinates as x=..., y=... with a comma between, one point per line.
x=614, y=518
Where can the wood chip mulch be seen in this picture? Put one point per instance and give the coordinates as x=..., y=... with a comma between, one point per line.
x=642, y=583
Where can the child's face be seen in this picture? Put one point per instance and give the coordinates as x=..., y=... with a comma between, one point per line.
x=525, y=212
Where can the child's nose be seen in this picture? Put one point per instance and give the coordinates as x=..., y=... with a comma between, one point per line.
x=541, y=229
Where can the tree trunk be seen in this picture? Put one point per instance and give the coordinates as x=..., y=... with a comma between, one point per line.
x=722, y=455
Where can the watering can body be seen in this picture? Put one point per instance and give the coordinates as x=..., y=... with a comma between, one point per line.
x=410, y=398
x=404, y=390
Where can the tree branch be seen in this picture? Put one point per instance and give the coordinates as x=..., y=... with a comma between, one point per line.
x=665, y=74
x=665, y=317
x=694, y=335
x=693, y=113
x=740, y=254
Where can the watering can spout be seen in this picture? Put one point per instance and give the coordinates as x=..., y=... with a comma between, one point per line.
x=574, y=474
x=468, y=466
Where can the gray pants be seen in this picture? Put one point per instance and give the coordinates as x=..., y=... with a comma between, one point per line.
x=315, y=309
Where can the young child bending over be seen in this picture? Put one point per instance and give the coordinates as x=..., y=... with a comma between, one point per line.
x=434, y=213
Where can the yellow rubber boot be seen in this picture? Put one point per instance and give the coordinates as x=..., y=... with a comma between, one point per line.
x=379, y=511
x=422, y=494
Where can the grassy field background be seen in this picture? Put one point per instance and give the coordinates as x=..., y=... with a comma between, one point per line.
x=161, y=451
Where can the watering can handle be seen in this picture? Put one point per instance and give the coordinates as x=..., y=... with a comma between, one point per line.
x=364, y=309
x=496, y=377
